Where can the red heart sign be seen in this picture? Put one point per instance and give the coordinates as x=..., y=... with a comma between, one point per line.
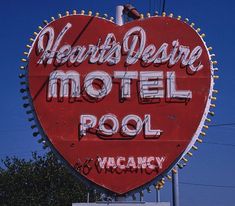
x=120, y=104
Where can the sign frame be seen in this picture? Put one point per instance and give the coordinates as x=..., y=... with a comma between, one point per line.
x=180, y=162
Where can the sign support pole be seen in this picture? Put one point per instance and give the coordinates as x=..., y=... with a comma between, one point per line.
x=175, y=188
x=88, y=197
x=158, y=197
x=141, y=196
x=119, y=15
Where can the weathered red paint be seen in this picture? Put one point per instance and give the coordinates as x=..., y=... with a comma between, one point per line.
x=179, y=120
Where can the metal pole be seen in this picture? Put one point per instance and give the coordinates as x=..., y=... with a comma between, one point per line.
x=95, y=194
x=119, y=15
x=88, y=197
x=158, y=197
x=175, y=187
x=141, y=196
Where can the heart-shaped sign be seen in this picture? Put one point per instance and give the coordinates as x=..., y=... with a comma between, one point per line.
x=121, y=105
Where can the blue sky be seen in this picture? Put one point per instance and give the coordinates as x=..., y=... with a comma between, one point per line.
x=213, y=164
